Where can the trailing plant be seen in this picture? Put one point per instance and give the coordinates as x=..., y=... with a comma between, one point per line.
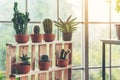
x=25, y=59
x=44, y=58
x=20, y=20
x=64, y=53
x=47, y=24
x=36, y=29
x=66, y=26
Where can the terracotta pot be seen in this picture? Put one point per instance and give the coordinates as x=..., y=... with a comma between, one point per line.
x=23, y=69
x=36, y=38
x=13, y=68
x=22, y=38
x=118, y=31
x=44, y=65
x=67, y=36
x=49, y=37
x=62, y=63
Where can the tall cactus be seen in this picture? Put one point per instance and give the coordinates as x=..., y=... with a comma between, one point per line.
x=36, y=29
x=20, y=20
x=47, y=24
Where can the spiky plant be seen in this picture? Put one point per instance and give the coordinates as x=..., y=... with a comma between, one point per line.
x=20, y=20
x=36, y=29
x=44, y=58
x=25, y=59
x=68, y=25
x=47, y=24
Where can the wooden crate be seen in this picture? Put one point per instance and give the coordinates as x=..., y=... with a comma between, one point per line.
x=35, y=50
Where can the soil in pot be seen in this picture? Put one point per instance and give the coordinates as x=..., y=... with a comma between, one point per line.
x=62, y=63
x=67, y=36
x=22, y=38
x=49, y=37
x=23, y=69
x=36, y=38
x=44, y=65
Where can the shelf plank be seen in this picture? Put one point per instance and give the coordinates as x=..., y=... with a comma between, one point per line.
x=30, y=43
x=43, y=71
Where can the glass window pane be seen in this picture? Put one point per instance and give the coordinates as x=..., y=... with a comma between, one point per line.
x=71, y=7
x=115, y=74
x=6, y=36
x=98, y=10
x=40, y=9
x=97, y=32
x=76, y=75
x=7, y=8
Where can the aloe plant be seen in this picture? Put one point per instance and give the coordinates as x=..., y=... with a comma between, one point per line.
x=68, y=25
x=20, y=20
x=25, y=59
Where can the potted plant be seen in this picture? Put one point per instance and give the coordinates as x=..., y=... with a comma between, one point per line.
x=24, y=66
x=36, y=37
x=66, y=27
x=44, y=62
x=118, y=25
x=47, y=25
x=62, y=61
x=20, y=21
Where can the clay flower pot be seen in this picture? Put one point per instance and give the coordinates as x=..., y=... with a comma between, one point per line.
x=49, y=37
x=36, y=38
x=44, y=65
x=67, y=36
x=22, y=38
x=62, y=62
x=23, y=69
x=118, y=31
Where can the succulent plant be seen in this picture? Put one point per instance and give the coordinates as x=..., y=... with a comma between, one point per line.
x=25, y=59
x=47, y=24
x=20, y=20
x=64, y=54
x=66, y=26
x=36, y=29
x=44, y=58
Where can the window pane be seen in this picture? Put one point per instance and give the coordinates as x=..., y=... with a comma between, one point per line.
x=115, y=74
x=71, y=7
x=97, y=33
x=98, y=10
x=40, y=9
x=95, y=74
x=76, y=75
x=6, y=36
x=7, y=8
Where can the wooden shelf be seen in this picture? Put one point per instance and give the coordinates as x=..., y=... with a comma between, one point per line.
x=41, y=43
x=52, y=69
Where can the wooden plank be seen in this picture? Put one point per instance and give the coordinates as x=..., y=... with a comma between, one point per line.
x=51, y=57
x=23, y=50
x=42, y=76
x=33, y=60
x=10, y=60
x=58, y=74
x=42, y=49
x=68, y=72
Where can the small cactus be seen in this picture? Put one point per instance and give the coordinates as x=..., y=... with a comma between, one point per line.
x=36, y=29
x=47, y=24
x=44, y=58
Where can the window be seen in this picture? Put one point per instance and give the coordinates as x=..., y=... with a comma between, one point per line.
x=102, y=18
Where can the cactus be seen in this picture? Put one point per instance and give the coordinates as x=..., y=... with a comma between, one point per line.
x=64, y=54
x=20, y=20
x=44, y=58
x=47, y=24
x=36, y=29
